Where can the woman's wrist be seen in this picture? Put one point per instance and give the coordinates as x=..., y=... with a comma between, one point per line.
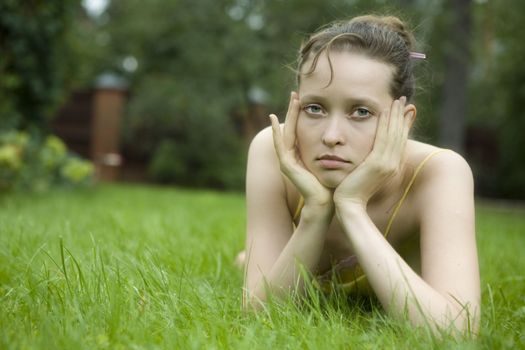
x=317, y=211
x=350, y=207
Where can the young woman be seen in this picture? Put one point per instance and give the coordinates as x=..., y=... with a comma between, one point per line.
x=340, y=190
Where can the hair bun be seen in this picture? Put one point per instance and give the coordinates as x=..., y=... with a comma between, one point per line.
x=393, y=23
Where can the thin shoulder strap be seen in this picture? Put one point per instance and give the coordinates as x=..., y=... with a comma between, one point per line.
x=407, y=189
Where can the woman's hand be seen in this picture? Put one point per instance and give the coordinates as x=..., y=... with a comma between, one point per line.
x=383, y=161
x=313, y=192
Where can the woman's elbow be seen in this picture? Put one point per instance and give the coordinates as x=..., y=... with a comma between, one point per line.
x=251, y=301
x=463, y=321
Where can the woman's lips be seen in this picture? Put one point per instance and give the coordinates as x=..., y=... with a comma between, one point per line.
x=330, y=161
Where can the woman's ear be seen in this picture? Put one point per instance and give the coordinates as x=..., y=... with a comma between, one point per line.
x=411, y=113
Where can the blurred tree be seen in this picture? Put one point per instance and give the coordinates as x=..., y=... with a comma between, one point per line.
x=496, y=83
x=457, y=58
x=501, y=102
x=33, y=60
x=190, y=77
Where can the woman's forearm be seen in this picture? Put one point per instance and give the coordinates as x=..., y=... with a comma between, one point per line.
x=399, y=289
x=301, y=254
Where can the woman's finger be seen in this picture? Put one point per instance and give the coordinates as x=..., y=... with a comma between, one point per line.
x=381, y=132
x=277, y=136
x=290, y=124
x=406, y=130
x=396, y=130
x=408, y=118
x=393, y=123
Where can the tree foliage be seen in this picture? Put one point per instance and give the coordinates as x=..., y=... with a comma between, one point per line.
x=498, y=92
x=33, y=60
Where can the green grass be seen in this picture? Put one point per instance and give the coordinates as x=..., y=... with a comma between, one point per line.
x=135, y=267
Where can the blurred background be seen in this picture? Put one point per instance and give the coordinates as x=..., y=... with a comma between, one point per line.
x=172, y=91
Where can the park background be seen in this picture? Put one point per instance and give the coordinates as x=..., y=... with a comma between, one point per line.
x=120, y=219
x=198, y=79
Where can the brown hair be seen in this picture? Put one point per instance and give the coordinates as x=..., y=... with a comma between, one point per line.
x=384, y=38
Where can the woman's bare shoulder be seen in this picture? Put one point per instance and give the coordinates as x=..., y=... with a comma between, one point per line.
x=263, y=165
x=262, y=156
x=439, y=159
x=263, y=142
x=443, y=171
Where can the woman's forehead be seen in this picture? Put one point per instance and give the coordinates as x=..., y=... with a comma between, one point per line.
x=351, y=72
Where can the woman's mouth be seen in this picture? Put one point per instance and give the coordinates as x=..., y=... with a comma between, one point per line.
x=333, y=162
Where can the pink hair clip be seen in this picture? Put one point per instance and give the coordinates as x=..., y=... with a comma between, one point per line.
x=418, y=55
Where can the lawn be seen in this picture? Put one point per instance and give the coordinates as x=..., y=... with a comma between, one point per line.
x=137, y=267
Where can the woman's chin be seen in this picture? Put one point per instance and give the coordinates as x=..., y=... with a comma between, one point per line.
x=331, y=181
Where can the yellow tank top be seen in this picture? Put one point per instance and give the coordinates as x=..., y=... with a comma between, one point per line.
x=348, y=271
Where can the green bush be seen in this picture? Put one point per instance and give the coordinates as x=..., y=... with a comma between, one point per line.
x=190, y=144
x=34, y=61
x=167, y=164
x=34, y=164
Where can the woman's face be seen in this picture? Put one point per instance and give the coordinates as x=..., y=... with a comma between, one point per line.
x=337, y=122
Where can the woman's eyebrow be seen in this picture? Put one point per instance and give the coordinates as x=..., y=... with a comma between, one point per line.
x=350, y=100
x=364, y=101
x=311, y=97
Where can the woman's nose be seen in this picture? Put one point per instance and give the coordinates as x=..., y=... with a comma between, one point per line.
x=334, y=134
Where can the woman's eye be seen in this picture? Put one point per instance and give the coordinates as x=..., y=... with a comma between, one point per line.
x=313, y=109
x=361, y=113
